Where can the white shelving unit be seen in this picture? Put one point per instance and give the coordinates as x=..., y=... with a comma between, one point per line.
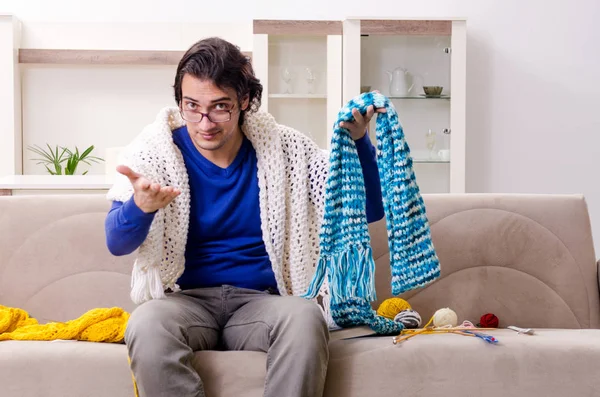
x=297, y=48
x=10, y=99
x=343, y=55
x=430, y=53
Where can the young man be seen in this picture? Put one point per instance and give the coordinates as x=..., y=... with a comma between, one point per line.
x=225, y=205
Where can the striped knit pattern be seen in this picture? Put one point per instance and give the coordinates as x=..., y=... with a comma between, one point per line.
x=345, y=251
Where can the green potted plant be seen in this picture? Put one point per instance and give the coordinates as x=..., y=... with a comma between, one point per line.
x=63, y=161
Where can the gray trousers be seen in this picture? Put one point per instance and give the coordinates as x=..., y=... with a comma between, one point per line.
x=162, y=336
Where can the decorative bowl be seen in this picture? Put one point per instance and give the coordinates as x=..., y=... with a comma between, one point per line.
x=433, y=90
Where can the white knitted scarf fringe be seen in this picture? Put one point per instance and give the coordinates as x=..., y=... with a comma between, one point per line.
x=292, y=172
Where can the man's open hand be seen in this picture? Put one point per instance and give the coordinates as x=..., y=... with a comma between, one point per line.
x=148, y=196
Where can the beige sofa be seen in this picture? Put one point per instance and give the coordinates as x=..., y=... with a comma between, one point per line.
x=528, y=259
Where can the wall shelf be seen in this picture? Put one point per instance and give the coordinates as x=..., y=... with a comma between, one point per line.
x=46, y=184
x=100, y=57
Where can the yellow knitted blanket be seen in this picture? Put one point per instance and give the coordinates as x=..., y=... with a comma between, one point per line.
x=96, y=325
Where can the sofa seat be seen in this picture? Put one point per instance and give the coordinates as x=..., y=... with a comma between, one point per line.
x=549, y=363
x=553, y=362
x=64, y=368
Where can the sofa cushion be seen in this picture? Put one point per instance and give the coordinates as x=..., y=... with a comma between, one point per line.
x=76, y=369
x=232, y=373
x=64, y=368
x=550, y=363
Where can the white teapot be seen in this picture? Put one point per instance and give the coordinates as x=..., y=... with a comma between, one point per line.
x=402, y=82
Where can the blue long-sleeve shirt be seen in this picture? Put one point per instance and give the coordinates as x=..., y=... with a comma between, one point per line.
x=224, y=243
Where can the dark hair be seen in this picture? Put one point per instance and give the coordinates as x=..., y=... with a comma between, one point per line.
x=226, y=66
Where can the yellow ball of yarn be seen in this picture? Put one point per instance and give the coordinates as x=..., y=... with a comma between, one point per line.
x=392, y=306
x=444, y=317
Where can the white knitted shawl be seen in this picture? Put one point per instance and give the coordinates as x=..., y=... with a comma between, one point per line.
x=292, y=172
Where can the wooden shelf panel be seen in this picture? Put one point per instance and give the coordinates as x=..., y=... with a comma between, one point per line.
x=100, y=57
x=305, y=28
x=391, y=27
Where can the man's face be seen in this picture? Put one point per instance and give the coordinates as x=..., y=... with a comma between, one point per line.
x=221, y=104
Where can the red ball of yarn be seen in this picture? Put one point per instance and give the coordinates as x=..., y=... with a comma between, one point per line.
x=489, y=320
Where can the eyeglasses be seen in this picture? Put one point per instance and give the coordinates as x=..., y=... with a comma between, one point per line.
x=215, y=116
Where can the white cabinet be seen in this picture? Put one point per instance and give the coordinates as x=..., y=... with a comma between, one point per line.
x=299, y=64
x=398, y=57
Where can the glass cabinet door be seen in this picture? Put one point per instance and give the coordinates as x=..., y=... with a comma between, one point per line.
x=299, y=65
x=411, y=62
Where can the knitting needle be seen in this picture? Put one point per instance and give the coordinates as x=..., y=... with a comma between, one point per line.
x=416, y=332
x=488, y=338
x=455, y=328
x=463, y=333
x=403, y=338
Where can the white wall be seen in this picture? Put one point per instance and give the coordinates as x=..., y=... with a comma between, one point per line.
x=101, y=106
x=533, y=78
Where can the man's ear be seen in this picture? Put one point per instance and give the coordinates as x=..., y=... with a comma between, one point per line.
x=245, y=102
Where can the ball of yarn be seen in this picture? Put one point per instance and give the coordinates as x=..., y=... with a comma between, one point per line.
x=392, y=306
x=489, y=320
x=444, y=317
x=409, y=318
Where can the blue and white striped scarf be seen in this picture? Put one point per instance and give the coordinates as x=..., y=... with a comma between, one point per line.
x=345, y=250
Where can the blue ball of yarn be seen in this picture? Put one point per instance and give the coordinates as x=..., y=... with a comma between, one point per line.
x=409, y=318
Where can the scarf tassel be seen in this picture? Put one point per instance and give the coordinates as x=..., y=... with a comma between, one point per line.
x=351, y=273
x=317, y=280
x=146, y=284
